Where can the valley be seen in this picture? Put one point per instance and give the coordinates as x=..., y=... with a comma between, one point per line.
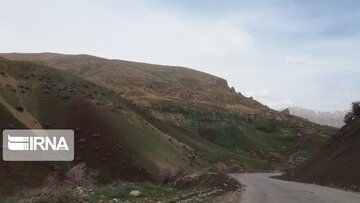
x=179, y=101
x=153, y=124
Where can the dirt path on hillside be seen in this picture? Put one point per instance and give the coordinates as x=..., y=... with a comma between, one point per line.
x=24, y=117
x=292, y=156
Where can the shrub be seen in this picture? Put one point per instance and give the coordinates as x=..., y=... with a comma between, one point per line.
x=348, y=117
x=20, y=109
x=354, y=113
x=356, y=108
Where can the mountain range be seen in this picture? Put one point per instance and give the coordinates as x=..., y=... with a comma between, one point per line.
x=335, y=119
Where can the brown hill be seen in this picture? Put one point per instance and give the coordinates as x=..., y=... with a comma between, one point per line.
x=200, y=105
x=338, y=162
x=116, y=139
x=144, y=82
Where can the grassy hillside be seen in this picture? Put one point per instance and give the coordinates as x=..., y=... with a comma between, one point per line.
x=198, y=102
x=263, y=138
x=141, y=122
x=116, y=139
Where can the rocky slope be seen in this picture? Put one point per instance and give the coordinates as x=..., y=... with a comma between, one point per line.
x=337, y=163
x=334, y=119
x=146, y=82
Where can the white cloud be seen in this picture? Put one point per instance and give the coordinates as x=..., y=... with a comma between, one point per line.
x=265, y=96
x=130, y=30
x=297, y=59
x=255, y=46
x=260, y=93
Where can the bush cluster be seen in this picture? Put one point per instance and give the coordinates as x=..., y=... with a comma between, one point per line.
x=354, y=113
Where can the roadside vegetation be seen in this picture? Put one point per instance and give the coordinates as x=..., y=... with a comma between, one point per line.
x=354, y=113
x=195, y=187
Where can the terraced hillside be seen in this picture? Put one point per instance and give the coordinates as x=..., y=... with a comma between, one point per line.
x=137, y=122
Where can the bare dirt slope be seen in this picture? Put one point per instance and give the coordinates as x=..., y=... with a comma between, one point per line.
x=338, y=162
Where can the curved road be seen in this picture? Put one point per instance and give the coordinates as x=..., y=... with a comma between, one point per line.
x=260, y=188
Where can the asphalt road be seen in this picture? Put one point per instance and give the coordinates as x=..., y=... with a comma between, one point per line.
x=260, y=188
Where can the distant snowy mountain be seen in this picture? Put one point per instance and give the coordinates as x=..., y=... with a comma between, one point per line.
x=324, y=118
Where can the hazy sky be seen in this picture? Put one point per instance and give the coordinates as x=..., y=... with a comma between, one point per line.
x=283, y=53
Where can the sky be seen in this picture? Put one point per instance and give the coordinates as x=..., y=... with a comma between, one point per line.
x=283, y=53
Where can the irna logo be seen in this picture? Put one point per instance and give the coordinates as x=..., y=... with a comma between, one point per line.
x=38, y=145
x=36, y=142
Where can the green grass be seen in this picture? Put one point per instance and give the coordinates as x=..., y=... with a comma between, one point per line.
x=234, y=133
x=121, y=192
x=13, y=199
x=149, y=193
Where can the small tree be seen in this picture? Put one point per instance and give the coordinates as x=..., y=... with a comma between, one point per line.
x=348, y=117
x=356, y=108
x=354, y=113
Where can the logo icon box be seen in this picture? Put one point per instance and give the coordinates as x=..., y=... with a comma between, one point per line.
x=38, y=145
x=18, y=143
